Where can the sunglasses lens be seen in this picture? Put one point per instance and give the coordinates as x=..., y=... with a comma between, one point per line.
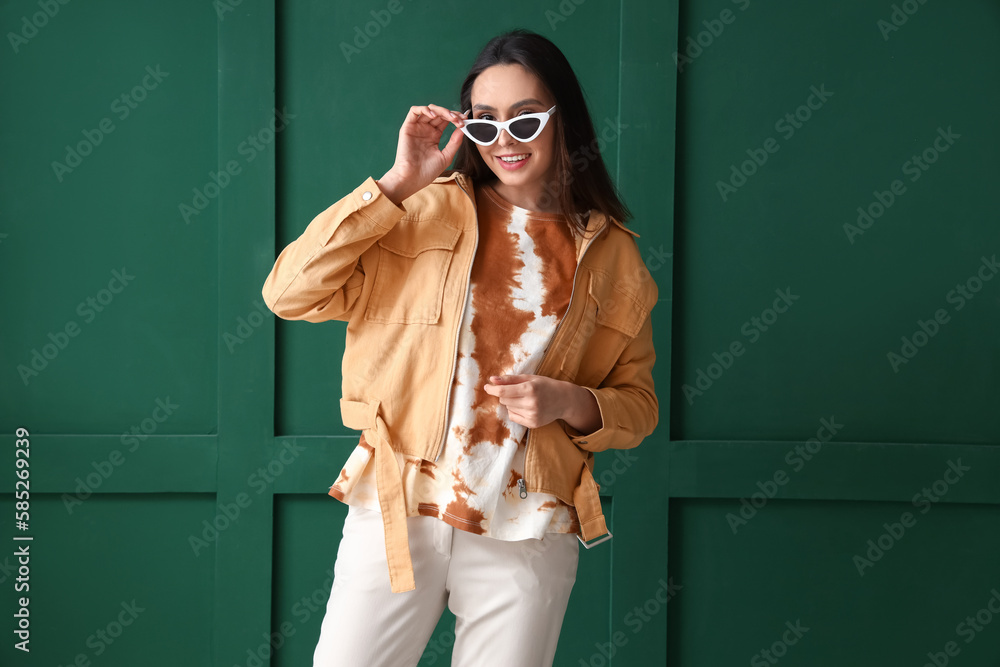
x=523, y=129
x=482, y=131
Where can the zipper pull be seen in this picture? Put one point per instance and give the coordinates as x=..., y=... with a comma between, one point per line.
x=523, y=491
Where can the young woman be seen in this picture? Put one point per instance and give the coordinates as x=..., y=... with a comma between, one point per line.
x=498, y=335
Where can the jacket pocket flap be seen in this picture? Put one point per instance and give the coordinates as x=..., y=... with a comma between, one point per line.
x=410, y=238
x=616, y=308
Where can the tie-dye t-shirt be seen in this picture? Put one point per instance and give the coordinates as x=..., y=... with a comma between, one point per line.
x=520, y=286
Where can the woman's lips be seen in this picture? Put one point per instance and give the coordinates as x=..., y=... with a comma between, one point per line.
x=513, y=166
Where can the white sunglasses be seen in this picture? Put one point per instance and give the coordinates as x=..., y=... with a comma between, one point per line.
x=523, y=128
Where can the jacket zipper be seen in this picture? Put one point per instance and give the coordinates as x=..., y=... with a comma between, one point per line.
x=523, y=481
x=458, y=330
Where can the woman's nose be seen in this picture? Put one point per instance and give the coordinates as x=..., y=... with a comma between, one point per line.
x=505, y=139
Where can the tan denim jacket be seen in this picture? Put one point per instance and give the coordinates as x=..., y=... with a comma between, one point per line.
x=399, y=276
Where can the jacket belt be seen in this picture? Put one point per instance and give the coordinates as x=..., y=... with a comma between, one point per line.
x=389, y=482
x=587, y=502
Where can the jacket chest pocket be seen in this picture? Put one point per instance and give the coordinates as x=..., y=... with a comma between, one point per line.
x=611, y=318
x=413, y=262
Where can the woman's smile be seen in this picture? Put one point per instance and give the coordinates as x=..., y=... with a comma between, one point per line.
x=513, y=161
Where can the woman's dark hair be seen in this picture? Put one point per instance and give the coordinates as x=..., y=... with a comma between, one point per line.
x=583, y=183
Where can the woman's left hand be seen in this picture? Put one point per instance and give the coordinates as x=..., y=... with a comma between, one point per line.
x=535, y=400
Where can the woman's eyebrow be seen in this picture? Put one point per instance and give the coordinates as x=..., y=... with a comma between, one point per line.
x=516, y=105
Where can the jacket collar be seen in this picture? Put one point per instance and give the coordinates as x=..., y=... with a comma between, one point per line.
x=594, y=222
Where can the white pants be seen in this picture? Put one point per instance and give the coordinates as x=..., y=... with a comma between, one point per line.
x=509, y=598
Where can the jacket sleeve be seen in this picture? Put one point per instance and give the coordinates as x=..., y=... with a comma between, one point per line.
x=318, y=276
x=626, y=398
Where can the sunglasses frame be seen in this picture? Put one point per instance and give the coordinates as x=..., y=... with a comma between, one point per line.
x=542, y=116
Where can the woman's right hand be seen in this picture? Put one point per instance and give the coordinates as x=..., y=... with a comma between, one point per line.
x=418, y=159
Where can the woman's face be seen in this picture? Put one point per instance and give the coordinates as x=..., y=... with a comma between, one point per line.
x=500, y=93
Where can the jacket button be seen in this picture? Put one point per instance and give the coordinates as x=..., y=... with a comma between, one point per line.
x=366, y=195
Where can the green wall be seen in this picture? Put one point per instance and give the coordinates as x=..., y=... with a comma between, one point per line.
x=822, y=486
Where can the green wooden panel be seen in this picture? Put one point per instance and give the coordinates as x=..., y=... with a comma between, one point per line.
x=803, y=440
x=780, y=237
x=845, y=470
x=115, y=582
x=795, y=564
x=250, y=460
x=109, y=126
x=109, y=296
x=641, y=585
x=307, y=533
x=78, y=467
